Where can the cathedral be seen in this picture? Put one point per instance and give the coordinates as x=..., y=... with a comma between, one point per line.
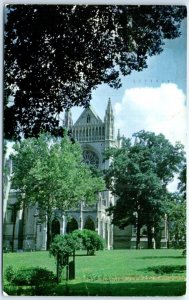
x=23, y=229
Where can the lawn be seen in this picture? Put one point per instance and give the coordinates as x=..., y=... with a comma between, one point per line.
x=116, y=272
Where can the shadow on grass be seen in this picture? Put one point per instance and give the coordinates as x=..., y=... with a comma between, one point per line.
x=159, y=257
x=162, y=270
x=106, y=289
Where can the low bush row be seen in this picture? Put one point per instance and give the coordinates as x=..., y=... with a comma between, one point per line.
x=29, y=276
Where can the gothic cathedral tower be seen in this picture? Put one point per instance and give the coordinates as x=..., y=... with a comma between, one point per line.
x=95, y=136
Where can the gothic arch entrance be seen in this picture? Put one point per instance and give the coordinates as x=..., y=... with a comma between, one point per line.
x=89, y=224
x=71, y=225
x=55, y=227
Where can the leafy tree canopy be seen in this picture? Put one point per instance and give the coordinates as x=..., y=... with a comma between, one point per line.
x=139, y=175
x=51, y=173
x=176, y=215
x=56, y=55
x=51, y=169
x=182, y=181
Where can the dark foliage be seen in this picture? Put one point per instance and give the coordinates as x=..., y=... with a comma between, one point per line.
x=29, y=276
x=130, y=288
x=161, y=270
x=55, y=55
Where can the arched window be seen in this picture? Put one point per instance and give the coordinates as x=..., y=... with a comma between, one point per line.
x=55, y=227
x=89, y=224
x=71, y=225
x=96, y=132
x=100, y=132
x=88, y=119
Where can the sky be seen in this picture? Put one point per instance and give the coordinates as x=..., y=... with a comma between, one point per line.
x=151, y=100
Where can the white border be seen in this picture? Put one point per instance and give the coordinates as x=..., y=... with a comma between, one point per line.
x=133, y=2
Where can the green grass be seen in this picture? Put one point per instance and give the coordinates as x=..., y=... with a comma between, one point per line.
x=117, y=272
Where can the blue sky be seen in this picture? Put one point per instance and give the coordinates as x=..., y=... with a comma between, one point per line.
x=153, y=99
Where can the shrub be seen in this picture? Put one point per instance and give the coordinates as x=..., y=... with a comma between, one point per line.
x=64, y=244
x=22, y=277
x=9, y=273
x=91, y=241
x=41, y=276
x=30, y=276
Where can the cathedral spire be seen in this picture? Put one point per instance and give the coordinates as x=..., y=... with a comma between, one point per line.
x=118, y=138
x=109, y=109
x=68, y=122
x=109, y=121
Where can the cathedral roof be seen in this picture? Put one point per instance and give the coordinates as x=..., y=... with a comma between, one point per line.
x=88, y=116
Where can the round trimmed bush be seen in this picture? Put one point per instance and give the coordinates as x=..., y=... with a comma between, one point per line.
x=90, y=240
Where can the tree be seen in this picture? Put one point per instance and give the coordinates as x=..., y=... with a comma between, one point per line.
x=177, y=212
x=182, y=181
x=56, y=55
x=138, y=176
x=51, y=173
x=177, y=221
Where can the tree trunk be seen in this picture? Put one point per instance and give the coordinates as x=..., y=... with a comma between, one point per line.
x=14, y=223
x=157, y=237
x=138, y=236
x=13, y=234
x=22, y=225
x=48, y=233
x=150, y=236
x=58, y=268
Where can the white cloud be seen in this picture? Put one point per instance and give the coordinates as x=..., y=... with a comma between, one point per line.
x=160, y=110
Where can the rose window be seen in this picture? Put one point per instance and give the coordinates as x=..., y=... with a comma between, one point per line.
x=90, y=158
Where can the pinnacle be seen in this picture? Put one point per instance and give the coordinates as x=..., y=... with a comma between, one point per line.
x=109, y=106
x=118, y=134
